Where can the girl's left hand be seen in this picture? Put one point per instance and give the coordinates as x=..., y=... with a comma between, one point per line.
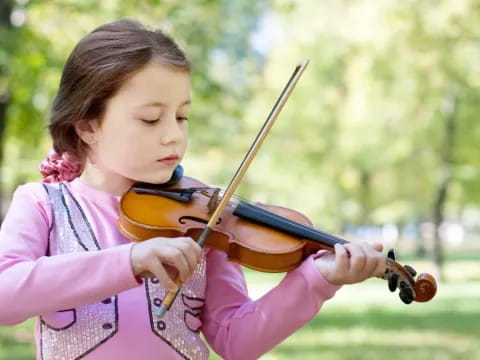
x=352, y=263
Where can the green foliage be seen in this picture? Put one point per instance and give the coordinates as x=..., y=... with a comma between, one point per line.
x=359, y=141
x=206, y=30
x=361, y=137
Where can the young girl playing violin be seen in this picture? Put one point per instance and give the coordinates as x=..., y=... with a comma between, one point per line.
x=120, y=116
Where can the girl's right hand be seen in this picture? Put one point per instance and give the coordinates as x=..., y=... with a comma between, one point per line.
x=165, y=258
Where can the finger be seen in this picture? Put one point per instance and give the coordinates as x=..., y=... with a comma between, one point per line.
x=378, y=246
x=173, y=256
x=198, y=250
x=157, y=269
x=381, y=266
x=357, y=258
x=341, y=259
x=146, y=274
x=190, y=252
x=171, y=271
x=379, y=260
x=188, y=245
x=372, y=257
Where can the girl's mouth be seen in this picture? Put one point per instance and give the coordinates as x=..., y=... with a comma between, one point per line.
x=169, y=160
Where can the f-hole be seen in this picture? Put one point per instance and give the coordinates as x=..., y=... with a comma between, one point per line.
x=183, y=220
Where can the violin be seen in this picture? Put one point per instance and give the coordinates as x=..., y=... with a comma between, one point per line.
x=261, y=237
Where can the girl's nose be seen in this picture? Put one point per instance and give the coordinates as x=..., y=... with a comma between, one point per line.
x=173, y=131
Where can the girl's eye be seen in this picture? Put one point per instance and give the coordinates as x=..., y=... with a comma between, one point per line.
x=150, y=122
x=182, y=118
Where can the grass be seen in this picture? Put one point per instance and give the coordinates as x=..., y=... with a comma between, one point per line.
x=361, y=327
x=363, y=321
x=17, y=342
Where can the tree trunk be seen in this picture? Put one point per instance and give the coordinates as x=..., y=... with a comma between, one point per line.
x=420, y=241
x=6, y=7
x=3, y=120
x=450, y=111
x=365, y=197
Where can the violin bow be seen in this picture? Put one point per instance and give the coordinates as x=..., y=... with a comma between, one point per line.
x=242, y=169
x=398, y=276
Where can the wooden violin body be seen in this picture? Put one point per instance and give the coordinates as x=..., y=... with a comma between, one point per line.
x=143, y=216
x=262, y=237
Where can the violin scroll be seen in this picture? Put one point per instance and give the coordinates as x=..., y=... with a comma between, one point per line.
x=425, y=287
x=403, y=277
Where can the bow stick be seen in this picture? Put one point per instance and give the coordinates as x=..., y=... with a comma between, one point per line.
x=232, y=186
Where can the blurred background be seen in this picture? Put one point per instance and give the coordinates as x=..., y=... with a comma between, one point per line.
x=379, y=141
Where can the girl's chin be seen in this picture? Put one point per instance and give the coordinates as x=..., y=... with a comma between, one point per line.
x=159, y=179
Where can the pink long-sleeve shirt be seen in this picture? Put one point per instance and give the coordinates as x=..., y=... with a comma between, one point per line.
x=33, y=284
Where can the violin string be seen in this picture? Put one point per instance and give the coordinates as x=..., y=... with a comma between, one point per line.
x=222, y=192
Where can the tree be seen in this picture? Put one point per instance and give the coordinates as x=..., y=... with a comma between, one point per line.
x=7, y=33
x=214, y=34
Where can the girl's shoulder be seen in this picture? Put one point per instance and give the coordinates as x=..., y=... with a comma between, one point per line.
x=34, y=193
x=30, y=200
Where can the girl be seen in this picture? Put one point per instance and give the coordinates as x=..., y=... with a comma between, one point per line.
x=120, y=116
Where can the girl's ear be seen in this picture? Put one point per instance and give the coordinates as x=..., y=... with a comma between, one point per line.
x=87, y=130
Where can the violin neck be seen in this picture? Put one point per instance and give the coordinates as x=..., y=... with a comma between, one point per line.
x=261, y=216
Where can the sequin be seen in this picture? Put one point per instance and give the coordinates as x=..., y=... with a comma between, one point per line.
x=93, y=324
x=172, y=328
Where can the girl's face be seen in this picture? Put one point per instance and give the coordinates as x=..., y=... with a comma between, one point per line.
x=142, y=135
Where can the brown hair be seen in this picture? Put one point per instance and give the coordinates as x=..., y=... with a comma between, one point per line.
x=97, y=67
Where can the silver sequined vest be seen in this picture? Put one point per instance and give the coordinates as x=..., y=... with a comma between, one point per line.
x=92, y=325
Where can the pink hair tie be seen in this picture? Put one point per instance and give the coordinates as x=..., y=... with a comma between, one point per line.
x=56, y=168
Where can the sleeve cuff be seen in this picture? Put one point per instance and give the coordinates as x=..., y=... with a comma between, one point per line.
x=318, y=284
x=125, y=266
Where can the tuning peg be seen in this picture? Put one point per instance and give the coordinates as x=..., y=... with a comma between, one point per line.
x=391, y=254
x=392, y=281
x=410, y=270
x=406, y=294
